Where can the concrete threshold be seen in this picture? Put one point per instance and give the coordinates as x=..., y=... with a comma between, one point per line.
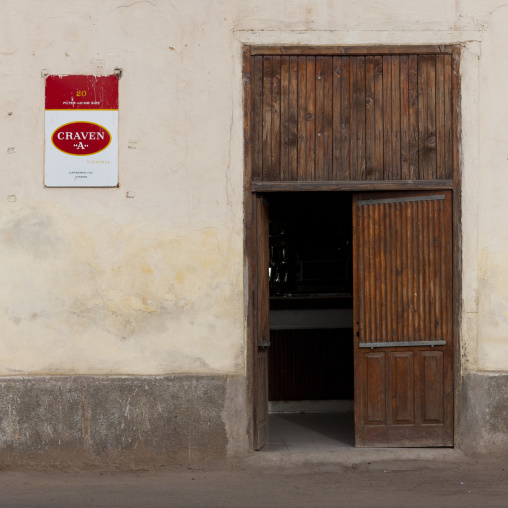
x=355, y=456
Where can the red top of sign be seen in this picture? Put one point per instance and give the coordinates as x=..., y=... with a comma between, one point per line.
x=81, y=92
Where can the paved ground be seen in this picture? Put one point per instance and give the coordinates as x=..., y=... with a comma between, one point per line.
x=258, y=482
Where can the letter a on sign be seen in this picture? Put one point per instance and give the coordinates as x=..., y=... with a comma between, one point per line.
x=81, y=127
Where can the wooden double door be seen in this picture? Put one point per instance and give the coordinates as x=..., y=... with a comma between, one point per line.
x=403, y=351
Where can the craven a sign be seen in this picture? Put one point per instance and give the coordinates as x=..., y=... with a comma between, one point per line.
x=81, y=131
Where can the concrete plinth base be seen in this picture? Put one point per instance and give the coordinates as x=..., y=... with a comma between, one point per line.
x=120, y=422
x=147, y=422
x=483, y=425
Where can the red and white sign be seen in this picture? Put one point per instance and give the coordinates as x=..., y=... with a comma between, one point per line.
x=81, y=131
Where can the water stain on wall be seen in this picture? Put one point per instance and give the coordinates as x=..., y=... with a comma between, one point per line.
x=114, y=298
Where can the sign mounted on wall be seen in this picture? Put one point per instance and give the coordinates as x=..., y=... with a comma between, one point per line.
x=81, y=131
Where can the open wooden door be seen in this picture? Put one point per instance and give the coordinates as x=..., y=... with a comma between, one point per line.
x=261, y=322
x=403, y=319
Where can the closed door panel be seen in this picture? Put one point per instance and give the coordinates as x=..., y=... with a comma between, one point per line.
x=402, y=301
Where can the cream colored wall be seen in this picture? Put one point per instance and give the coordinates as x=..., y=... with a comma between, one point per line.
x=94, y=282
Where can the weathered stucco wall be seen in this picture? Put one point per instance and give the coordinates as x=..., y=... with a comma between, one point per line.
x=95, y=282
x=493, y=205
x=148, y=279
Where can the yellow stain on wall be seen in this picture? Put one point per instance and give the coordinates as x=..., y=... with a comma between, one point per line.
x=97, y=297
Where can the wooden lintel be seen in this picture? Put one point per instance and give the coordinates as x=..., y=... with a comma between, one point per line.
x=352, y=50
x=365, y=185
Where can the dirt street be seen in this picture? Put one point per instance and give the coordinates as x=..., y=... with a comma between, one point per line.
x=392, y=483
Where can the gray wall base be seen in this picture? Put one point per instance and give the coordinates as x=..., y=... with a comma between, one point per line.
x=483, y=425
x=126, y=422
x=148, y=422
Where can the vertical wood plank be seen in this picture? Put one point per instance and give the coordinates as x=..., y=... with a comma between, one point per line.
x=426, y=116
x=379, y=117
x=395, y=172
x=328, y=119
x=392, y=232
x=387, y=274
x=448, y=117
x=424, y=241
x=431, y=116
x=274, y=173
x=248, y=78
x=267, y=116
x=370, y=122
x=387, y=117
x=361, y=283
x=404, y=117
x=422, y=115
x=284, y=117
x=456, y=113
x=413, y=118
x=293, y=120
x=412, y=255
x=443, y=259
x=361, y=117
x=451, y=112
x=337, y=127
x=320, y=118
x=440, y=117
x=257, y=117
x=362, y=248
x=358, y=118
x=354, y=119
x=405, y=274
x=437, y=246
x=345, y=127
x=373, y=264
x=433, y=275
x=310, y=130
x=401, y=273
x=435, y=241
x=380, y=327
x=420, y=335
x=302, y=122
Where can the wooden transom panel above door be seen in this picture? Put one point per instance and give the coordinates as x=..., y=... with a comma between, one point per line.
x=354, y=117
x=403, y=319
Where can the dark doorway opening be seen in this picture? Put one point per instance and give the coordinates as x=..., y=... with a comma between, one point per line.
x=310, y=358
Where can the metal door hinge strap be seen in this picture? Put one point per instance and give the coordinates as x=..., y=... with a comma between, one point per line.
x=432, y=197
x=265, y=344
x=415, y=343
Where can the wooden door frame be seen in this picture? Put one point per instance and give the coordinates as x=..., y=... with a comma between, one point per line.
x=252, y=188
